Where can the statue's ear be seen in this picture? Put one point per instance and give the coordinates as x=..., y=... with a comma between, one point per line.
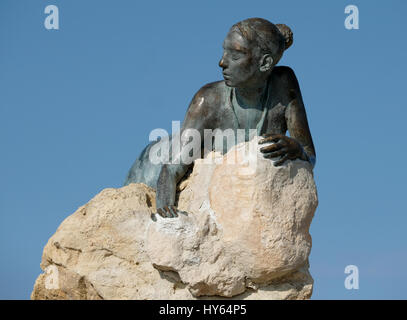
x=266, y=63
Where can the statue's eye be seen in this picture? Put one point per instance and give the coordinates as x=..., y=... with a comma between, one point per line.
x=236, y=55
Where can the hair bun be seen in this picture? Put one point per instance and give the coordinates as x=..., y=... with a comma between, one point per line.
x=287, y=34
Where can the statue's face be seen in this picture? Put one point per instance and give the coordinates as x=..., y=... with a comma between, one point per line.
x=240, y=66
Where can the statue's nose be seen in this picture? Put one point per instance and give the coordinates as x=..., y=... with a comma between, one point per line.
x=222, y=63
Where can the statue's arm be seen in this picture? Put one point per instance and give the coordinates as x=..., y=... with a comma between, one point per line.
x=296, y=118
x=196, y=120
x=299, y=145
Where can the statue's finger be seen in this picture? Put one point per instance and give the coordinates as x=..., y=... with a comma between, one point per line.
x=275, y=154
x=174, y=211
x=273, y=138
x=168, y=212
x=161, y=212
x=281, y=161
x=266, y=135
x=265, y=139
x=284, y=139
x=271, y=148
x=171, y=211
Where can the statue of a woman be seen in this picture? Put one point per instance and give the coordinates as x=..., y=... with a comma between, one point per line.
x=254, y=95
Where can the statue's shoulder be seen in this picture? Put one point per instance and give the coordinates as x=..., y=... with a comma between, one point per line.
x=283, y=72
x=207, y=101
x=284, y=76
x=212, y=90
x=211, y=95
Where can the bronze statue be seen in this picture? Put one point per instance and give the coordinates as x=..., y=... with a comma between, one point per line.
x=255, y=94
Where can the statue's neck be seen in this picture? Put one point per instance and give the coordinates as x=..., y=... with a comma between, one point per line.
x=251, y=97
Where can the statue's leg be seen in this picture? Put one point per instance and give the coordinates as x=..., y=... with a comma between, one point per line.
x=143, y=171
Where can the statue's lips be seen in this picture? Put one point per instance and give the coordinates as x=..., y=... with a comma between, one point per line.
x=226, y=76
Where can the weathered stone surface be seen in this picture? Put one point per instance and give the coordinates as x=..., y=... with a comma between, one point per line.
x=246, y=237
x=248, y=224
x=69, y=286
x=103, y=242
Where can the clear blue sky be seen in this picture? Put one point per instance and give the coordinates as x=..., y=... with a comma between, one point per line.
x=77, y=106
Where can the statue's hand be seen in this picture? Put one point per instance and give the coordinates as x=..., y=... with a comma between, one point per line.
x=285, y=147
x=167, y=212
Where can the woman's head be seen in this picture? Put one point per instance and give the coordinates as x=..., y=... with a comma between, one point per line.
x=251, y=49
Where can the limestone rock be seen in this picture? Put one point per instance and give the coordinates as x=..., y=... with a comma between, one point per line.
x=248, y=223
x=103, y=242
x=245, y=237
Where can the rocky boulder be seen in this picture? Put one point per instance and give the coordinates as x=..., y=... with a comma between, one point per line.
x=245, y=236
